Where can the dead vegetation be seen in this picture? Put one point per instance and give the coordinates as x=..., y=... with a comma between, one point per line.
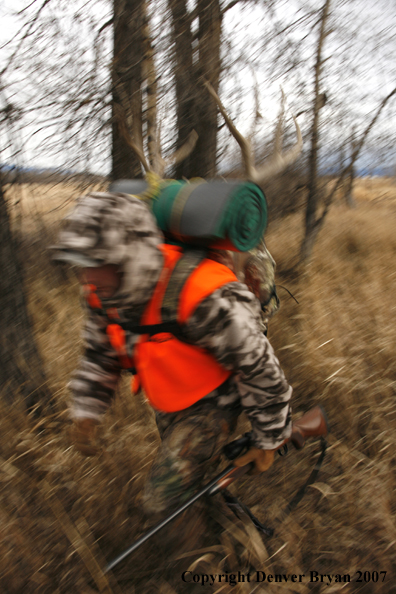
x=63, y=515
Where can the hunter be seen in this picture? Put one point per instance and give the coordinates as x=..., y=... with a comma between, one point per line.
x=198, y=382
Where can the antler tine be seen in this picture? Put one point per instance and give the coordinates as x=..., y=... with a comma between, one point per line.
x=179, y=155
x=138, y=150
x=279, y=161
x=245, y=145
x=257, y=114
x=184, y=151
x=278, y=136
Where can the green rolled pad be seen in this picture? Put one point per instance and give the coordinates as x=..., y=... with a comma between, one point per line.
x=163, y=204
x=203, y=213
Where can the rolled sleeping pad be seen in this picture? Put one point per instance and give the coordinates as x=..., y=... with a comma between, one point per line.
x=229, y=215
x=128, y=186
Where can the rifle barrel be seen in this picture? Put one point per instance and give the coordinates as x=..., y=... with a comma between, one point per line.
x=219, y=482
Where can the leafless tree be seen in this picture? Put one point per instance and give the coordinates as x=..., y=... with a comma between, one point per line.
x=314, y=221
x=21, y=371
x=311, y=223
x=127, y=77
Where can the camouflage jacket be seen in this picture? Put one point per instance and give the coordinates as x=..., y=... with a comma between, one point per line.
x=111, y=228
x=227, y=324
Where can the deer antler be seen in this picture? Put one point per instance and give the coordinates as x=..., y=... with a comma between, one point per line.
x=159, y=164
x=257, y=114
x=245, y=145
x=278, y=161
x=184, y=151
x=137, y=148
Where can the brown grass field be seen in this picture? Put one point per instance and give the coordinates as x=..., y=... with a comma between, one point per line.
x=63, y=516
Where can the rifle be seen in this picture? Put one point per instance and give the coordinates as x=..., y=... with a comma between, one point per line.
x=313, y=423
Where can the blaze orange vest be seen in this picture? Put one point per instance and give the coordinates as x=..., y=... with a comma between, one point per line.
x=175, y=374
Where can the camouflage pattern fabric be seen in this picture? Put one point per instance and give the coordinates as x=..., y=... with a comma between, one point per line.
x=259, y=276
x=108, y=228
x=191, y=444
x=105, y=228
x=228, y=324
x=189, y=456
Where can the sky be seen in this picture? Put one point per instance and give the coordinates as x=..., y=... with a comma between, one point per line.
x=359, y=72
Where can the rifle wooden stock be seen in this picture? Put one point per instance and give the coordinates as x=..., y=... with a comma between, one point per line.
x=313, y=423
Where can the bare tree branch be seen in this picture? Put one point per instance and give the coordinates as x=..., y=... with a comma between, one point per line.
x=230, y=5
x=25, y=36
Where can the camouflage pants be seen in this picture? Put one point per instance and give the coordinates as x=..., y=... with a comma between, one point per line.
x=189, y=455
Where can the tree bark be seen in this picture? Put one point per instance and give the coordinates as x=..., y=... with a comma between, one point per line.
x=349, y=199
x=193, y=65
x=21, y=370
x=129, y=21
x=185, y=82
x=209, y=37
x=150, y=78
x=312, y=224
x=348, y=190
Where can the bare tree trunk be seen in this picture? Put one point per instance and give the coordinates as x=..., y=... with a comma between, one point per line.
x=129, y=21
x=184, y=77
x=194, y=65
x=348, y=192
x=309, y=240
x=209, y=68
x=312, y=223
x=150, y=77
x=349, y=199
x=21, y=370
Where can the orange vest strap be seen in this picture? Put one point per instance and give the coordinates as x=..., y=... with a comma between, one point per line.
x=116, y=335
x=91, y=297
x=117, y=339
x=182, y=271
x=115, y=332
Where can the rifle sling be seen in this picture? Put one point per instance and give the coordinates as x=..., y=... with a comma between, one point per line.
x=310, y=480
x=237, y=506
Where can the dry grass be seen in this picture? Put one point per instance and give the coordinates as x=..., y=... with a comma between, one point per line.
x=375, y=189
x=61, y=515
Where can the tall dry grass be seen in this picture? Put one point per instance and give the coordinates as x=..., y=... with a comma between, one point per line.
x=62, y=515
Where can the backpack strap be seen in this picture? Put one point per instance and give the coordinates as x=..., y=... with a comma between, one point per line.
x=184, y=267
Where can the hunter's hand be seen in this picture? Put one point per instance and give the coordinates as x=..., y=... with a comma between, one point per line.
x=83, y=436
x=262, y=459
